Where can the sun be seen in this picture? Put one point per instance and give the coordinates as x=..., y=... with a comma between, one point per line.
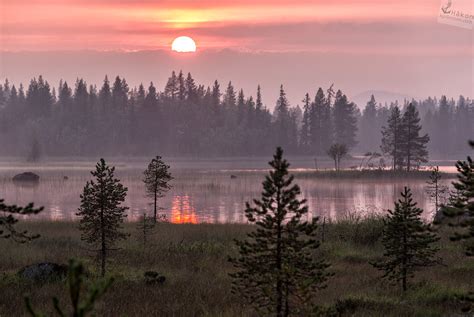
x=183, y=44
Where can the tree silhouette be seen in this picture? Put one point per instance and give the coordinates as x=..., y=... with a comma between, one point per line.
x=277, y=271
x=337, y=152
x=461, y=204
x=8, y=221
x=101, y=211
x=436, y=191
x=408, y=242
x=392, y=136
x=413, y=145
x=157, y=178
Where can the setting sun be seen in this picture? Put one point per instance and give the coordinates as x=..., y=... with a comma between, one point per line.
x=183, y=44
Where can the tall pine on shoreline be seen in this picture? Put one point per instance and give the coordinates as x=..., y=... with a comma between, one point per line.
x=276, y=270
x=402, y=141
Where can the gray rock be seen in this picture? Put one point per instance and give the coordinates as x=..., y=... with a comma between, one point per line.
x=43, y=272
x=154, y=278
x=26, y=177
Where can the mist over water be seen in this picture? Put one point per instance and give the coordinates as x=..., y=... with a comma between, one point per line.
x=203, y=191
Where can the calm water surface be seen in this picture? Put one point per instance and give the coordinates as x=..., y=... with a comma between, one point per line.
x=202, y=194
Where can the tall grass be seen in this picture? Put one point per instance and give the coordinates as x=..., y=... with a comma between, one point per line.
x=193, y=258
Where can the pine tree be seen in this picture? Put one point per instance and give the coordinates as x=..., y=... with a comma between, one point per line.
x=318, y=123
x=345, y=121
x=101, y=211
x=461, y=204
x=157, y=178
x=413, y=145
x=276, y=270
x=8, y=221
x=392, y=136
x=145, y=227
x=408, y=242
x=368, y=126
x=436, y=191
x=305, y=136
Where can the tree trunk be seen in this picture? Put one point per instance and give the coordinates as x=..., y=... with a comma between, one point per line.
x=279, y=291
x=154, y=210
x=405, y=253
x=103, y=246
x=287, y=295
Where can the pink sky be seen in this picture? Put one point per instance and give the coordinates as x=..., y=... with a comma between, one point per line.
x=392, y=45
x=244, y=24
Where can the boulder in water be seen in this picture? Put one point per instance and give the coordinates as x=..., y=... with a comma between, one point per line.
x=26, y=177
x=43, y=272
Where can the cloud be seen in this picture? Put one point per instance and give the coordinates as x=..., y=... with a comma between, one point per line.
x=280, y=25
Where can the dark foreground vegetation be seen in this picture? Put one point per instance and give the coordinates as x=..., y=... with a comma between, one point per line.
x=194, y=260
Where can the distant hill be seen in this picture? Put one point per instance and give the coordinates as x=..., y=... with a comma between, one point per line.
x=381, y=97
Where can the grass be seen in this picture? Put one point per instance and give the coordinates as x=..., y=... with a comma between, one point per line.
x=194, y=260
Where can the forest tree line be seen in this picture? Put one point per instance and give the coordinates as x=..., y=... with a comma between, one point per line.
x=187, y=118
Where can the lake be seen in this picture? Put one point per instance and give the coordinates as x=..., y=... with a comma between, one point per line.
x=203, y=191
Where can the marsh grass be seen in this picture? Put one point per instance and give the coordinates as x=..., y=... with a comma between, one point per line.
x=194, y=260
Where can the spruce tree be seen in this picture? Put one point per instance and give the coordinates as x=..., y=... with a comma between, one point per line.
x=407, y=240
x=392, y=136
x=101, y=211
x=157, y=178
x=277, y=271
x=413, y=144
x=345, y=121
x=368, y=126
x=305, y=136
x=461, y=204
x=8, y=221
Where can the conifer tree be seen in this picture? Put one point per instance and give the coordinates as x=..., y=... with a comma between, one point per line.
x=392, y=136
x=277, y=271
x=305, y=137
x=408, y=242
x=461, y=204
x=319, y=131
x=145, y=227
x=101, y=211
x=8, y=221
x=368, y=126
x=157, y=178
x=413, y=144
x=436, y=191
x=345, y=121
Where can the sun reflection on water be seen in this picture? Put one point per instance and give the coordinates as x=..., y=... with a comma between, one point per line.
x=182, y=210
